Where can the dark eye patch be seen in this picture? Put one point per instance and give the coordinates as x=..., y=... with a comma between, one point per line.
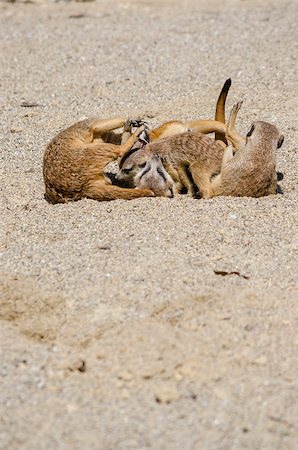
x=161, y=174
x=145, y=171
x=127, y=171
x=142, y=165
x=280, y=141
x=250, y=131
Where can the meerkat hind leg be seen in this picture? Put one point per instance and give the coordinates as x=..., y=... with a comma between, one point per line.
x=185, y=181
x=235, y=138
x=106, y=153
x=201, y=180
x=100, y=126
x=178, y=187
x=207, y=126
x=124, y=147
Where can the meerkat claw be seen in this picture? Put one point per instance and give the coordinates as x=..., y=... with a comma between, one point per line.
x=131, y=124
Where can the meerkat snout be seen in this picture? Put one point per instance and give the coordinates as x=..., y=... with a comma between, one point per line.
x=155, y=177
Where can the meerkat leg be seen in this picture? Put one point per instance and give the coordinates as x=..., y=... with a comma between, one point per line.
x=100, y=126
x=214, y=187
x=102, y=130
x=185, y=181
x=178, y=187
x=128, y=126
x=167, y=129
x=97, y=190
x=99, y=155
x=207, y=126
x=210, y=188
x=235, y=138
x=102, y=154
x=125, y=136
x=201, y=179
x=110, y=151
x=177, y=127
x=131, y=140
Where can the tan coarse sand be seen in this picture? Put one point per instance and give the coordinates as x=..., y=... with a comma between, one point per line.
x=122, y=325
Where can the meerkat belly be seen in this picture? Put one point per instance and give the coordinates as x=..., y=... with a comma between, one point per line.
x=250, y=179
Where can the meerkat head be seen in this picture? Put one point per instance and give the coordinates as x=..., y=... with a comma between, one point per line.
x=267, y=131
x=130, y=164
x=154, y=177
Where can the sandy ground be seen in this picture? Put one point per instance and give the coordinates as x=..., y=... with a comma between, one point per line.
x=116, y=332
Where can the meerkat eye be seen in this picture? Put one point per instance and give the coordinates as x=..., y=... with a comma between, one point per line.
x=127, y=171
x=141, y=166
x=250, y=131
x=280, y=141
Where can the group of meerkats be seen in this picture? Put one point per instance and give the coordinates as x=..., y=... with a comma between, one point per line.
x=176, y=157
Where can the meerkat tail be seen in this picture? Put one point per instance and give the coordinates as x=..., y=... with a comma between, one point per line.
x=220, y=109
x=221, y=102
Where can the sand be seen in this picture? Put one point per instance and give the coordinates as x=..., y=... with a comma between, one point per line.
x=117, y=331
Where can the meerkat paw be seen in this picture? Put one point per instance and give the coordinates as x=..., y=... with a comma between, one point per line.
x=233, y=115
x=132, y=124
x=236, y=108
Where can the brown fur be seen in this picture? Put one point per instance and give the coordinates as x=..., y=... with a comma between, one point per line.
x=252, y=170
x=189, y=155
x=192, y=158
x=75, y=159
x=177, y=127
x=74, y=162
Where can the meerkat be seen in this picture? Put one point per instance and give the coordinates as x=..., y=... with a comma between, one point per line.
x=192, y=159
x=155, y=177
x=251, y=171
x=74, y=162
x=187, y=153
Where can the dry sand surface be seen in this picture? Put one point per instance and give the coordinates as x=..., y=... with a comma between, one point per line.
x=116, y=332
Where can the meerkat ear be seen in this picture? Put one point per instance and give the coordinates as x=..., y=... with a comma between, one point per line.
x=250, y=131
x=280, y=141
